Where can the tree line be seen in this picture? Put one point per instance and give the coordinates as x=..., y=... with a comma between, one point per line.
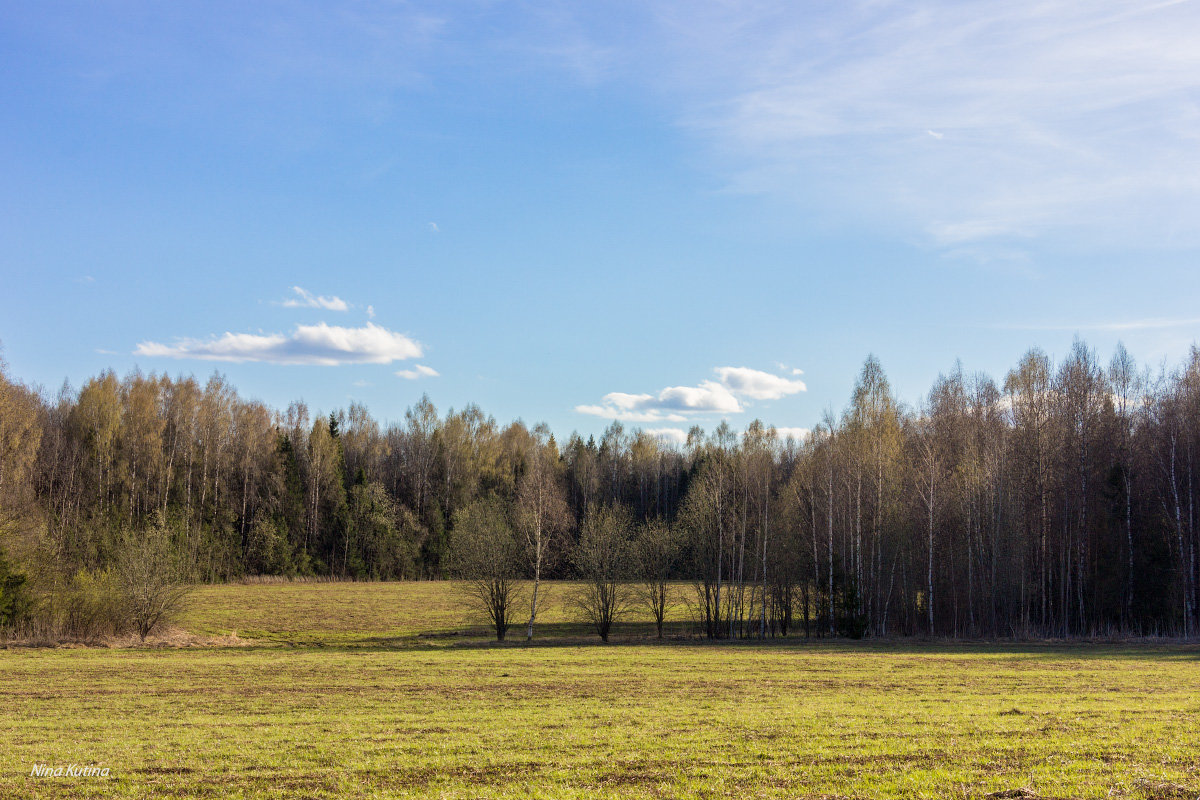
x=1058, y=502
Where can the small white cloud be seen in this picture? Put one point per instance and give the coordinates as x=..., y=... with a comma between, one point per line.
x=753, y=383
x=675, y=436
x=679, y=403
x=669, y=405
x=85, y=279
x=320, y=344
x=797, y=372
x=799, y=434
x=936, y=135
x=433, y=227
x=370, y=312
x=362, y=384
x=418, y=371
x=305, y=299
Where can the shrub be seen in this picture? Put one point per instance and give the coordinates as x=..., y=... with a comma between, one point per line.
x=150, y=578
x=89, y=606
x=14, y=594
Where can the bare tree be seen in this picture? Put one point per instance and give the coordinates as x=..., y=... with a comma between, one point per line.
x=1028, y=390
x=1126, y=390
x=542, y=513
x=421, y=424
x=657, y=550
x=603, y=559
x=486, y=555
x=929, y=477
x=20, y=438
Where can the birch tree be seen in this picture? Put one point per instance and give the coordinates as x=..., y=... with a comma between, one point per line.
x=541, y=512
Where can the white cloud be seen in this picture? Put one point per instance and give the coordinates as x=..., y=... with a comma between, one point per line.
x=418, y=371
x=320, y=344
x=756, y=384
x=433, y=227
x=630, y=408
x=673, y=436
x=709, y=397
x=672, y=404
x=370, y=312
x=680, y=403
x=305, y=299
x=799, y=434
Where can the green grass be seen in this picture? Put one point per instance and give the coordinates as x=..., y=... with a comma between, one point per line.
x=352, y=714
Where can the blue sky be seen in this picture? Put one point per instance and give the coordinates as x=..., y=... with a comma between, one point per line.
x=573, y=212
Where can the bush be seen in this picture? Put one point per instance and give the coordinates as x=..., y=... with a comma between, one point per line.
x=14, y=594
x=267, y=548
x=141, y=589
x=150, y=578
x=88, y=607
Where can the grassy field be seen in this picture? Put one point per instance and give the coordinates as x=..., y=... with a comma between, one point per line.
x=390, y=614
x=357, y=690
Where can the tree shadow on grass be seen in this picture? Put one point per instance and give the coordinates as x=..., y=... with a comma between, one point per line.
x=687, y=634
